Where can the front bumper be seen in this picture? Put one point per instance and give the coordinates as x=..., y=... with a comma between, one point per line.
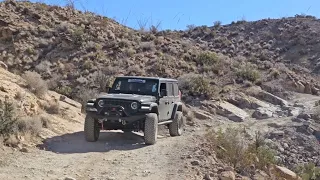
x=116, y=114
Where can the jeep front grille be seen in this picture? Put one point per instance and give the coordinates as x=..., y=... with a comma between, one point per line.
x=124, y=103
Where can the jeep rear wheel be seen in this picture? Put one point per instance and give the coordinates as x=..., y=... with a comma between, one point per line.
x=151, y=128
x=91, y=129
x=176, y=127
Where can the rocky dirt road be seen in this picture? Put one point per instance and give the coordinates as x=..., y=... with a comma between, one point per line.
x=116, y=155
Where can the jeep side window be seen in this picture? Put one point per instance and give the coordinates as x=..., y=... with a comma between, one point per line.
x=175, y=90
x=170, y=89
x=163, y=89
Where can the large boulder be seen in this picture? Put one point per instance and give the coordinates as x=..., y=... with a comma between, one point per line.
x=284, y=173
x=230, y=111
x=273, y=99
x=244, y=101
x=266, y=96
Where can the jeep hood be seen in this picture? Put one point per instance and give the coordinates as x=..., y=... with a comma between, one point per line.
x=135, y=97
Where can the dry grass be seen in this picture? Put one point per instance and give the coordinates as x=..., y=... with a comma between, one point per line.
x=32, y=125
x=19, y=95
x=35, y=83
x=102, y=79
x=52, y=107
x=11, y=125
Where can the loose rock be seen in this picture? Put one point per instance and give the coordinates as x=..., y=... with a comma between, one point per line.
x=227, y=175
x=263, y=113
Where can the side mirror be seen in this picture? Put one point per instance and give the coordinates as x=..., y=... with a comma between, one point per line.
x=163, y=92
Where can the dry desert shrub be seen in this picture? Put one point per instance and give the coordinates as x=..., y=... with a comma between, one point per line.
x=35, y=83
x=233, y=148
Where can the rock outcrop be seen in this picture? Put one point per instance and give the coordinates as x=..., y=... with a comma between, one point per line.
x=227, y=109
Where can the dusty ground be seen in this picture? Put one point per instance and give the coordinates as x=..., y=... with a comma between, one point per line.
x=116, y=155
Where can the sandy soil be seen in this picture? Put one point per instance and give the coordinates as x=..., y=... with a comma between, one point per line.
x=116, y=155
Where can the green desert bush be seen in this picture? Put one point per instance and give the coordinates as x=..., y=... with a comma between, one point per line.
x=196, y=85
x=233, y=148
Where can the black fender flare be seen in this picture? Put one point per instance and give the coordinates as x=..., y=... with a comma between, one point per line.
x=154, y=108
x=177, y=107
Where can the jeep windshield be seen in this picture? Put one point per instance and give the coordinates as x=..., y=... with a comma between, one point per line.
x=139, y=86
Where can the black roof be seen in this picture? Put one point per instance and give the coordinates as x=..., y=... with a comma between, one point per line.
x=146, y=77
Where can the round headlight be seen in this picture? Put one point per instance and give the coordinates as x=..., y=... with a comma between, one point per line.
x=101, y=103
x=134, y=105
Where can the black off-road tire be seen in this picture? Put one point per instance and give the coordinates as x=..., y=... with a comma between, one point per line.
x=151, y=129
x=91, y=129
x=176, y=127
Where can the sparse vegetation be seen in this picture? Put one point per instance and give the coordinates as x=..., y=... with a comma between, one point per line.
x=248, y=72
x=69, y=49
x=7, y=118
x=11, y=124
x=65, y=90
x=217, y=24
x=275, y=73
x=308, y=171
x=233, y=148
x=196, y=85
x=103, y=80
x=85, y=94
x=35, y=83
x=19, y=95
x=32, y=125
x=52, y=107
x=207, y=58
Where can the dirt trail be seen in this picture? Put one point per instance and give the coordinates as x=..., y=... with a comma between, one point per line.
x=116, y=155
x=119, y=155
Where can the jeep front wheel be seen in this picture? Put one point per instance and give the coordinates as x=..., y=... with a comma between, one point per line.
x=176, y=127
x=91, y=129
x=151, y=128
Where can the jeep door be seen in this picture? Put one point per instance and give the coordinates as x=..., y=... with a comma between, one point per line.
x=171, y=98
x=176, y=92
x=164, y=103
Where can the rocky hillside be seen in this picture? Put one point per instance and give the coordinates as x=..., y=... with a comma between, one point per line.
x=261, y=75
x=73, y=50
x=30, y=115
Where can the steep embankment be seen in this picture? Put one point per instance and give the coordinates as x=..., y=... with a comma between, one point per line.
x=44, y=115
